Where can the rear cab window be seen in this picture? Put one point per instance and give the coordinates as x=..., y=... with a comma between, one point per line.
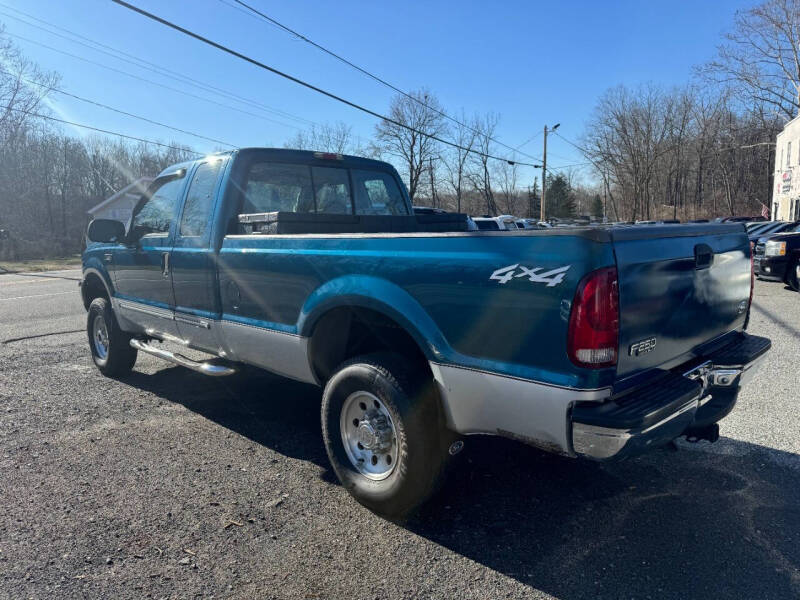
x=332, y=190
x=272, y=186
x=268, y=186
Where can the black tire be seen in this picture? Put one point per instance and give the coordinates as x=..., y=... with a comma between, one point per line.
x=414, y=409
x=119, y=357
x=791, y=275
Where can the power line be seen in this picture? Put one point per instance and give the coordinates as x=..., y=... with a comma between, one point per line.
x=368, y=74
x=150, y=81
x=583, y=164
x=122, y=112
x=107, y=131
x=528, y=141
x=305, y=84
x=583, y=150
x=147, y=65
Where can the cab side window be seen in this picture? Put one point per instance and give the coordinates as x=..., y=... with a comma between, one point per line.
x=377, y=193
x=200, y=199
x=156, y=210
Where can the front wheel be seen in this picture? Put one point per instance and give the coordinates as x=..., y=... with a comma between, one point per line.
x=111, y=348
x=793, y=275
x=383, y=433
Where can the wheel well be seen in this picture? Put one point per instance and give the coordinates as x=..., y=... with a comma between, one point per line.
x=345, y=332
x=93, y=287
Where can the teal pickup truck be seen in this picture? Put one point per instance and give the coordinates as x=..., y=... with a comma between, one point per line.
x=588, y=342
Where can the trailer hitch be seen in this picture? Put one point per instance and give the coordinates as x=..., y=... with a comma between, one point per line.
x=709, y=432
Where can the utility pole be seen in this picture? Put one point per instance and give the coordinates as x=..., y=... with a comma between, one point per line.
x=544, y=171
x=544, y=177
x=433, y=184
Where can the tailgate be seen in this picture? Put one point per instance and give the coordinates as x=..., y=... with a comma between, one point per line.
x=680, y=286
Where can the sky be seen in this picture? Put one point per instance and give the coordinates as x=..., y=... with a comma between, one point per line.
x=533, y=63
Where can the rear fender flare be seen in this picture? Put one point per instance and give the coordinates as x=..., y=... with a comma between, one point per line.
x=379, y=295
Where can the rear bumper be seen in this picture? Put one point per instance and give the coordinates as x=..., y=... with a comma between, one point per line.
x=773, y=268
x=662, y=410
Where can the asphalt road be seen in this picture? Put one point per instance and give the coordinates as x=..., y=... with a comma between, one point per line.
x=168, y=484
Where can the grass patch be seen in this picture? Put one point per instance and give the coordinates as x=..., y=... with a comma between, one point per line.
x=46, y=264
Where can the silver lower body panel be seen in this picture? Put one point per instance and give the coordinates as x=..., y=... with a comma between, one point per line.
x=536, y=413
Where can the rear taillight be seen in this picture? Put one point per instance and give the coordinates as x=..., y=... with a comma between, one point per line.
x=593, y=334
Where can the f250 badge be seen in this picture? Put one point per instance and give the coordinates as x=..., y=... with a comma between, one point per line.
x=642, y=347
x=551, y=278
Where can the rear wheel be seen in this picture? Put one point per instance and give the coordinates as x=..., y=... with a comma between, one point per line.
x=111, y=349
x=793, y=275
x=383, y=433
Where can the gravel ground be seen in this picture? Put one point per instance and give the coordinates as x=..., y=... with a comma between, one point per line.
x=172, y=485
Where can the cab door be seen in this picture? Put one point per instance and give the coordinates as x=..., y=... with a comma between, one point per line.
x=142, y=276
x=193, y=260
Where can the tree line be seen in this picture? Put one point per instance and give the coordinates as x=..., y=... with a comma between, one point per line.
x=706, y=148
x=49, y=179
x=694, y=151
x=461, y=177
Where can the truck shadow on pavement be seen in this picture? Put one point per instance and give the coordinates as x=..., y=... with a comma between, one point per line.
x=707, y=521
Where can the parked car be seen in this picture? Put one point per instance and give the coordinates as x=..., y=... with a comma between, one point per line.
x=587, y=342
x=487, y=224
x=507, y=222
x=770, y=228
x=527, y=224
x=777, y=257
x=739, y=219
x=503, y=222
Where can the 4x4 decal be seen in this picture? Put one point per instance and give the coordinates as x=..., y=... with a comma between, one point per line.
x=551, y=278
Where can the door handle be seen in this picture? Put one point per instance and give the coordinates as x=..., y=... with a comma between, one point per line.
x=165, y=264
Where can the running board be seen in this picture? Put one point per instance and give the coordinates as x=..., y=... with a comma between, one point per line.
x=206, y=368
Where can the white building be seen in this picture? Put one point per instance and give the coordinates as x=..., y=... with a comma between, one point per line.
x=120, y=206
x=786, y=193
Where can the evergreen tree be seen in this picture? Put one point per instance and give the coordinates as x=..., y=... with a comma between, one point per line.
x=597, y=206
x=534, y=200
x=560, y=197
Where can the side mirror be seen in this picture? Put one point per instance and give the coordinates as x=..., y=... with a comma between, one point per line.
x=106, y=231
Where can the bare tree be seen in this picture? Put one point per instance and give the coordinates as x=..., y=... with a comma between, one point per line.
x=480, y=174
x=456, y=160
x=327, y=137
x=510, y=195
x=407, y=135
x=760, y=57
x=23, y=86
x=683, y=153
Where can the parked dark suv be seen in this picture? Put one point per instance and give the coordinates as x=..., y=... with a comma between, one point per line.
x=777, y=258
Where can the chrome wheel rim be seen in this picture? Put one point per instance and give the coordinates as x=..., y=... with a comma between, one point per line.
x=368, y=435
x=100, y=336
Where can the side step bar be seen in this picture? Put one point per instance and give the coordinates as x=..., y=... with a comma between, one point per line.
x=206, y=368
